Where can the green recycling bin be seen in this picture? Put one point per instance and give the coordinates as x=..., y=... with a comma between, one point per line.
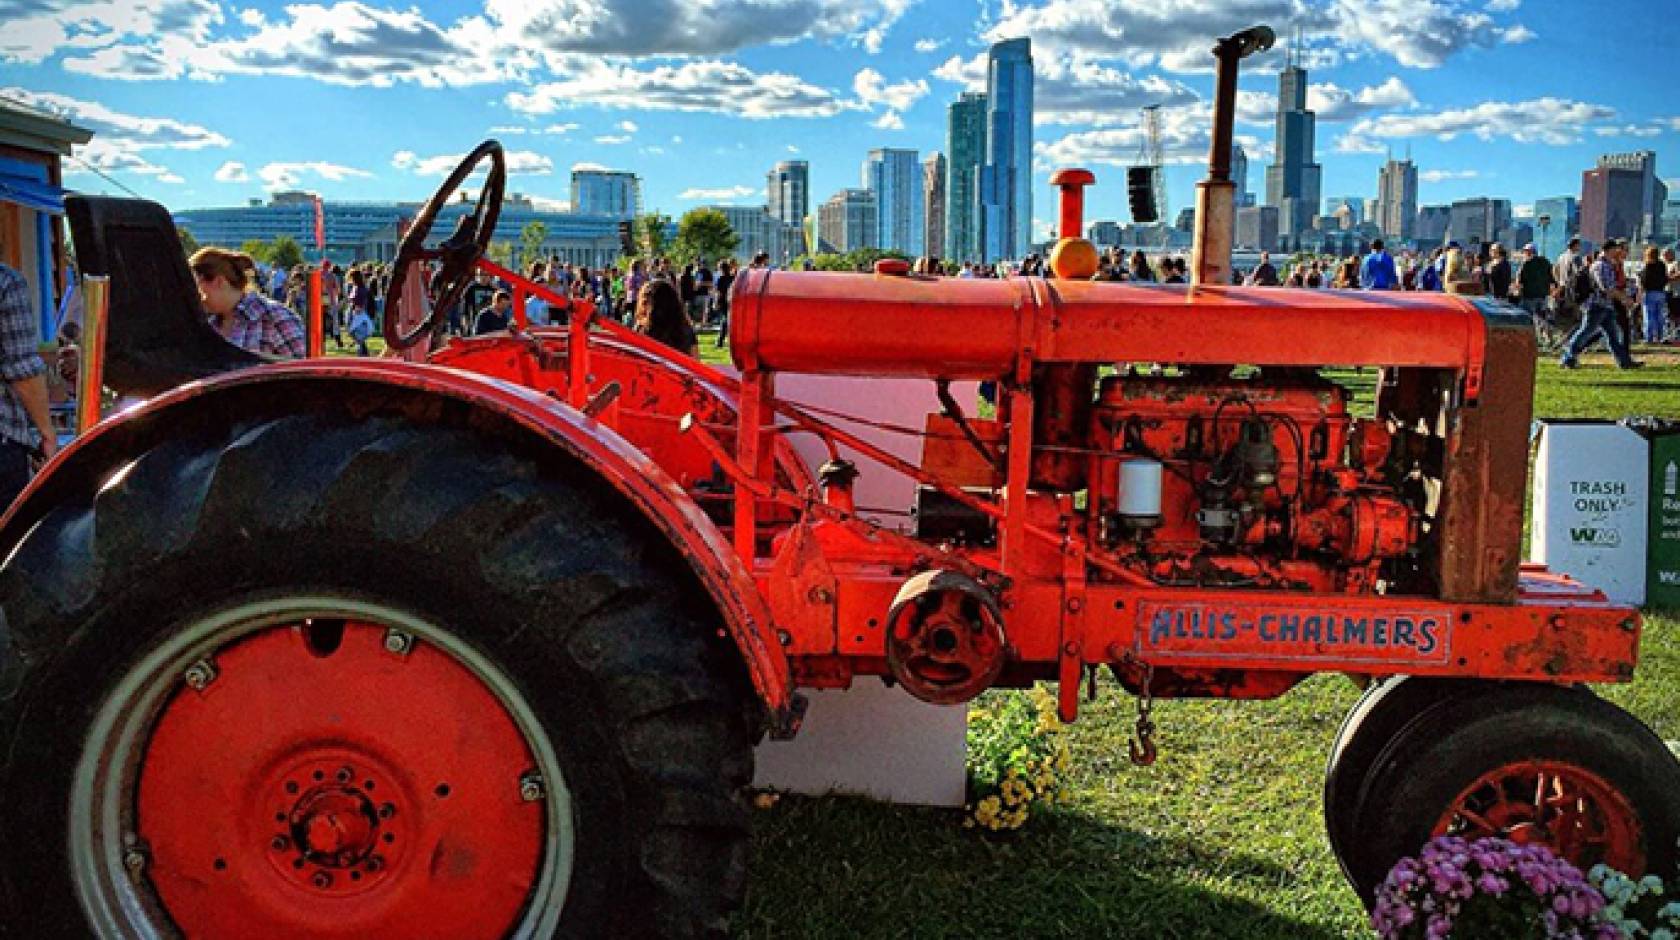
x=1663, y=568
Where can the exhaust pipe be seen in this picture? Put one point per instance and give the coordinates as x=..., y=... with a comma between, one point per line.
x=1210, y=257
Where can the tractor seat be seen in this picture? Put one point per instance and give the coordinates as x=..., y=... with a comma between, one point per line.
x=157, y=335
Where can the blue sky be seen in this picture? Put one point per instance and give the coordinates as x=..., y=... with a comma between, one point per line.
x=203, y=103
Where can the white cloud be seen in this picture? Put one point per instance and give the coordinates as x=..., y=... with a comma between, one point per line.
x=232, y=172
x=1175, y=34
x=117, y=129
x=654, y=150
x=252, y=18
x=929, y=45
x=727, y=192
x=347, y=43
x=1553, y=121
x=1629, y=130
x=672, y=27
x=612, y=139
x=703, y=85
x=872, y=89
x=291, y=175
x=587, y=167
x=1184, y=140
x=1502, y=6
x=676, y=138
x=509, y=130
x=792, y=149
x=519, y=163
x=1516, y=34
x=628, y=127
x=1437, y=176
x=39, y=29
x=1076, y=90
x=888, y=121
x=557, y=129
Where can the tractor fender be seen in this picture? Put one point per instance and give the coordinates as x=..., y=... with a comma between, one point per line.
x=90, y=460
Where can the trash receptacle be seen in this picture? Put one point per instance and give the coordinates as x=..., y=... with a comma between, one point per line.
x=1591, y=507
x=1662, y=587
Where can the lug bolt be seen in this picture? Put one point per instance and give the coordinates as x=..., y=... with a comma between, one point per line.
x=199, y=675
x=531, y=788
x=398, y=642
x=322, y=880
x=280, y=844
x=387, y=810
x=375, y=863
x=135, y=861
x=346, y=774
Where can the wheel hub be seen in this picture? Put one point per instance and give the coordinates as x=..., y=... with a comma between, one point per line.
x=327, y=781
x=1570, y=810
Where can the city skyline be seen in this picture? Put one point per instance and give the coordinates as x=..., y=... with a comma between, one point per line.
x=170, y=92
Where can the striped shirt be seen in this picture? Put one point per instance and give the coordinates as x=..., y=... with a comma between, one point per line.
x=19, y=357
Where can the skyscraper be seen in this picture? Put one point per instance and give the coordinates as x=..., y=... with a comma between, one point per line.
x=607, y=192
x=1652, y=192
x=1479, y=220
x=1006, y=176
x=848, y=221
x=895, y=177
x=1396, y=208
x=787, y=188
x=1292, y=182
x=933, y=203
x=965, y=142
x=1555, y=219
x=1239, y=176
x=1611, y=203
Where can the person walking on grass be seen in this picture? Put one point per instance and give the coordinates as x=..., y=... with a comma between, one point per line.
x=1603, y=291
x=1377, y=273
x=1653, y=294
x=1532, y=291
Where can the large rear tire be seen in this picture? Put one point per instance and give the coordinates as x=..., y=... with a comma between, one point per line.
x=265, y=658
x=1532, y=763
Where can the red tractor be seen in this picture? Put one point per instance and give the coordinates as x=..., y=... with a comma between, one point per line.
x=478, y=644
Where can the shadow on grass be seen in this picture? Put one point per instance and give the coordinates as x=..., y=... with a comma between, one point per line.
x=840, y=867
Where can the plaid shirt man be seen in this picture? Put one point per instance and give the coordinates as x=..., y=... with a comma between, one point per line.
x=19, y=358
x=263, y=326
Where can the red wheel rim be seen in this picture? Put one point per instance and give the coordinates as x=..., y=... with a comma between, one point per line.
x=1570, y=810
x=336, y=785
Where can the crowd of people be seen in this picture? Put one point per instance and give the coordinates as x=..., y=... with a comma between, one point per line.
x=263, y=308
x=1577, y=300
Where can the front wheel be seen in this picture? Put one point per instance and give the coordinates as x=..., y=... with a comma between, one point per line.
x=1538, y=764
x=333, y=676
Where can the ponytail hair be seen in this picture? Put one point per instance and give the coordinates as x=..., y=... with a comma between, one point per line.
x=235, y=267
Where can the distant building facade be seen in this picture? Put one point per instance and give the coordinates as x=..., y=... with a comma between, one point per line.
x=894, y=175
x=1430, y=229
x=1612, y=203
x=1006, y=175
x=1478, y=220
x=1555, y=220
x=1653, y=193
x=368, y=231
x=849, y=220
x=1104, y=233
x=1257, y=228
x=787, y=191
x=965, y=147
x=1239, y=176
x=759, y=231
x=933, y=204
x=1395, y=212
x=616, y=193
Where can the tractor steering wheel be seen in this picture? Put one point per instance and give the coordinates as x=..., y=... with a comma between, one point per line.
x=458, y=254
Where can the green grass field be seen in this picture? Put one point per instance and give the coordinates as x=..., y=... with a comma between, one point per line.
x=1221, y=838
